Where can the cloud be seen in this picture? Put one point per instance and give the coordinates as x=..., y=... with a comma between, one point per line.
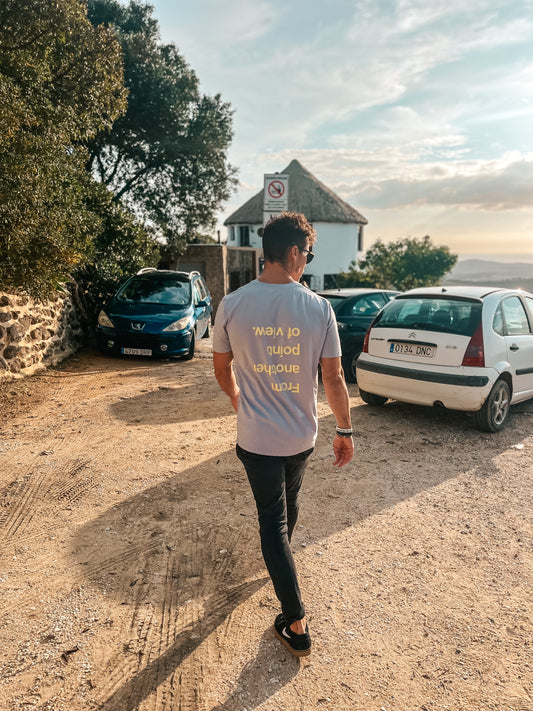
x=290, y=81
x=394, y=178
x=288, y=93
x=400, y=106
x=237, y=22
x=481, y=185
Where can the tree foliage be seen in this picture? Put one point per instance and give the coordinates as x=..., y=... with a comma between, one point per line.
x=406, y=264
x=61, y=82
x=166, y=157
x=119, y=248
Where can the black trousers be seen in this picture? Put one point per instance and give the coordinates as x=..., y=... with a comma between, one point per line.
x=276, y=483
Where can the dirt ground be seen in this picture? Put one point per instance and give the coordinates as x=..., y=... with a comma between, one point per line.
x=131, y=575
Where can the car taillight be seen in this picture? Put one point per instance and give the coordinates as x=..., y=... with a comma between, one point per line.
x=365, y=342
x=475, y=353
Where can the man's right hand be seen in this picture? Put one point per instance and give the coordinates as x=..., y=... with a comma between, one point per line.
x=343, y=450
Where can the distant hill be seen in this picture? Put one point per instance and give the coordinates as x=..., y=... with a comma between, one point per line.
x=511, y=275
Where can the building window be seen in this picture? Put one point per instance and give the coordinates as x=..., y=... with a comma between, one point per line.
x=244, y=235
x=232, y=234
x=360, y=238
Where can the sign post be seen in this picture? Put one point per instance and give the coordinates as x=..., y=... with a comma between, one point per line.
x=275, y=195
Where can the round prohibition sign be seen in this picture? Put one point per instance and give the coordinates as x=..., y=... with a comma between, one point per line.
x=276, y=189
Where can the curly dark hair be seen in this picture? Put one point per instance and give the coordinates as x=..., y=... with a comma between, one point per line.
x=281, y=233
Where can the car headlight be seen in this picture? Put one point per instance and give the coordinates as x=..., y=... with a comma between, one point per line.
x=104, y=320
x=180, y=324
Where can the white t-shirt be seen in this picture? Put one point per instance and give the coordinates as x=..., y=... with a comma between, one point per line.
x=277, y=334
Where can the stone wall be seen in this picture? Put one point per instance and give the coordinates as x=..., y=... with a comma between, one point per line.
x=35, y=334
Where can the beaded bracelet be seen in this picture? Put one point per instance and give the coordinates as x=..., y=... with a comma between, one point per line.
x=344, y=432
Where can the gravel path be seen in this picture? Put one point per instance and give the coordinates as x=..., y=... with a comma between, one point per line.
x=131, y=576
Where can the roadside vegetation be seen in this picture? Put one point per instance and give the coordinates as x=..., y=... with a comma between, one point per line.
x=107, y=147
x=405, y=264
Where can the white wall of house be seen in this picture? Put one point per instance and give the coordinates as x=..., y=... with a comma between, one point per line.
x=237, y=234
x=336, y=246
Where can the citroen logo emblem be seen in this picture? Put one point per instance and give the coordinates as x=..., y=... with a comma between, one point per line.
x=137, y=325
x=412, y=335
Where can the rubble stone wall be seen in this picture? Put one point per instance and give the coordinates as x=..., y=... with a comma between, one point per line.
x=36, y=334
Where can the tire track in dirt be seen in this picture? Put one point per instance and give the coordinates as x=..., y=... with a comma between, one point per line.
x=34, y=508
x=121, y=561
x=25, y=504
x=173, y=615
x=41, y=493
x=146, y=638
x=182, y=685
x=54, y=479
x=152, y=632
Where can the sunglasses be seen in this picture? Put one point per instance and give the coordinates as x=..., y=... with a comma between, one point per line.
x=309, y=255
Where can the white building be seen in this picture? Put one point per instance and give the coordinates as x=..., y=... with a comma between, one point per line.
x=339, y=226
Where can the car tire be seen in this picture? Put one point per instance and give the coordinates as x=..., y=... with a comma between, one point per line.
x=190, y=353
x=493, y=416
x=371, y=399
x=349, y=367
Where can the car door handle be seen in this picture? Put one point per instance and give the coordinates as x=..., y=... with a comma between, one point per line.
x=514, y=347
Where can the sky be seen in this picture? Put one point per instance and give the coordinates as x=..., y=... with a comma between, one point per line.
x=418, y=113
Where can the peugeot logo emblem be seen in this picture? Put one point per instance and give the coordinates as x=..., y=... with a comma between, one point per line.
x=412, y=335
x=137, y=325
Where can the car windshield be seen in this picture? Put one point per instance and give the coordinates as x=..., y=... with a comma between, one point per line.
x=161, y=289
x=446, y=315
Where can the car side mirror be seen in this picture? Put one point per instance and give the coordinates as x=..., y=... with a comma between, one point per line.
x=201, y=304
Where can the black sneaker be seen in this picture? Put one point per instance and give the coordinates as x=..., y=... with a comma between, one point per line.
x=298, y=644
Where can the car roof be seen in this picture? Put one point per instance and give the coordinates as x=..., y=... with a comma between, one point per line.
x=165, y=272
x=353, y=292
x=474, y=292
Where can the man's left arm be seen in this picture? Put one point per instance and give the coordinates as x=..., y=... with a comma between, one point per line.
x=339, y=401
x=223, y=364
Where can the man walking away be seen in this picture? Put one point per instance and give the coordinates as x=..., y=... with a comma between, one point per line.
x=276, y=332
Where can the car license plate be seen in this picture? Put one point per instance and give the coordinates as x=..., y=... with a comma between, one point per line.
x=136, y=351
x=412, y=349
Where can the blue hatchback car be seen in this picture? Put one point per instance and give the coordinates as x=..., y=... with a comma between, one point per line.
x=156, y=313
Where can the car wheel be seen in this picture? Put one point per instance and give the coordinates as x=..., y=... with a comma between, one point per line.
x=349, y=367
x=494, y=414
x=190, y=353
x=371, y=399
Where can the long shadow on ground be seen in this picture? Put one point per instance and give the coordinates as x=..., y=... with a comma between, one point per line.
x=186, y=551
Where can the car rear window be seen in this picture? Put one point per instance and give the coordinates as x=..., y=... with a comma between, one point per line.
x=336, y=302
x=442, y=314
x=367, y=305
x=160, y=289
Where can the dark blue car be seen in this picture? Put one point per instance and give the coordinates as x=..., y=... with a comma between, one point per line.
x=355, y=309
x=156, y=313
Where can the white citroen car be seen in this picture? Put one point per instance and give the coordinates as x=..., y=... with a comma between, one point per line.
x=463, y=348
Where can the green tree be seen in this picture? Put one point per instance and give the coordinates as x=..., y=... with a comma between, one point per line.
x=120, y=247
x=166, y=157
x=61, y=82
x=406, y=264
